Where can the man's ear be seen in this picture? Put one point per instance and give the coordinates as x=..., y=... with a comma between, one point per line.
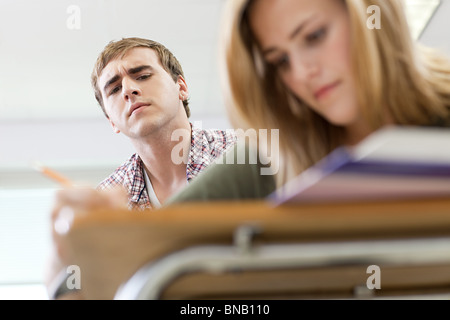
x=184, y=92
x=115, y=129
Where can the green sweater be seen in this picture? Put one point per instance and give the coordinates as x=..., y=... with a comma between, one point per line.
x=226, y=181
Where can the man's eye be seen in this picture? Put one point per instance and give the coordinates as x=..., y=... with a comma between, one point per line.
x=143, y=77
x=114, y=90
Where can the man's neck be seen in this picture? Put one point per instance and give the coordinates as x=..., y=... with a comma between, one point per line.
x=165, y=160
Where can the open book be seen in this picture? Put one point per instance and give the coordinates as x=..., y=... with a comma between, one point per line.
x=392, y=163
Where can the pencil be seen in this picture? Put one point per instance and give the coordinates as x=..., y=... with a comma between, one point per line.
x=52, y=174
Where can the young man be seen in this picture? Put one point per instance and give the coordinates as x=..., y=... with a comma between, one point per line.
x=141, y=89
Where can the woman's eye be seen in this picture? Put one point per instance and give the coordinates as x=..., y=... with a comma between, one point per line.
x=316, y=36
x=282, y=62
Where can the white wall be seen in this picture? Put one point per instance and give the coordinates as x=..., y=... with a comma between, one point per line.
x=436, y=33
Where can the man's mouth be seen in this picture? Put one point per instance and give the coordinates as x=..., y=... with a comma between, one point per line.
x=137, y=106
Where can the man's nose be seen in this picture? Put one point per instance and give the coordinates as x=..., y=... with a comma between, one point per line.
x=130, y=89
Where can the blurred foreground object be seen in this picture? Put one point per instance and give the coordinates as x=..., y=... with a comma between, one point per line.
x=251, y=250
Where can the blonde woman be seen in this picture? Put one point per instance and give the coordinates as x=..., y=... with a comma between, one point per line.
x=317, y=72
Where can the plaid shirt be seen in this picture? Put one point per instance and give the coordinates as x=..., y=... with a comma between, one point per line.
x=206, y=146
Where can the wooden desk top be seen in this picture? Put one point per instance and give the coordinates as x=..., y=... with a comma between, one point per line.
x=109, y=246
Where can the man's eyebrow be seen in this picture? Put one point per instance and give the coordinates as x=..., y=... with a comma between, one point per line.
x=139, y=69
x=110, y=81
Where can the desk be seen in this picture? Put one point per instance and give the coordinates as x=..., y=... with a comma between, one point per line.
x=110, y=247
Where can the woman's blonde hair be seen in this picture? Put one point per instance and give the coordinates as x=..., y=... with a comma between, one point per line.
x=394, y=75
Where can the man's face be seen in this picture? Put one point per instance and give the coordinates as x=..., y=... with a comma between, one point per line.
x=139, y=96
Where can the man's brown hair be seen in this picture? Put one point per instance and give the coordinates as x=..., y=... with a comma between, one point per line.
x=119, y=48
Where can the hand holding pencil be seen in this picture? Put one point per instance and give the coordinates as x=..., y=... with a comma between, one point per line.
x=82, y=198
x=70, y=201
